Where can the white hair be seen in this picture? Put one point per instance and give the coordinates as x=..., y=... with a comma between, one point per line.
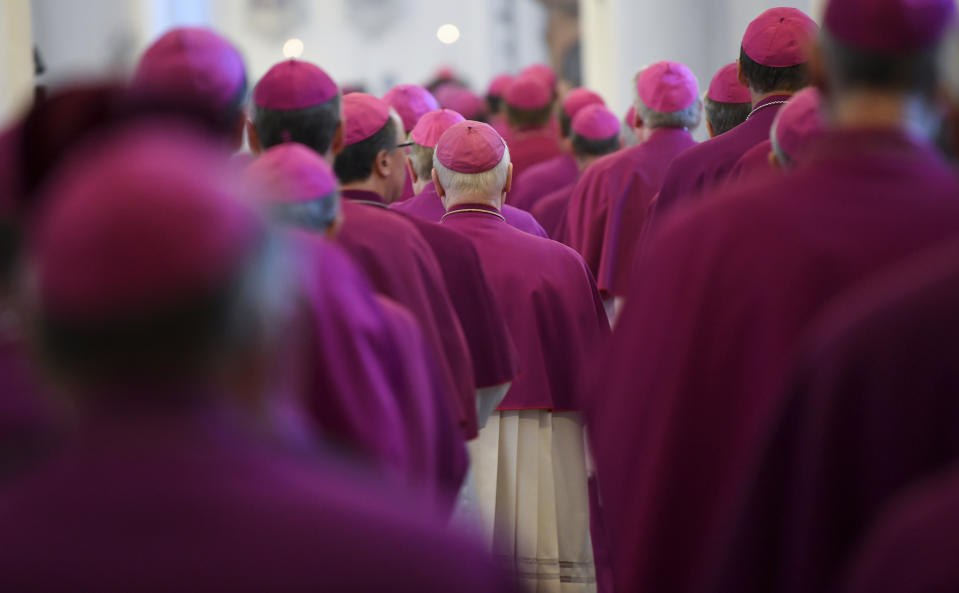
x=485, y=184
x=949, y=65
x=687, y=118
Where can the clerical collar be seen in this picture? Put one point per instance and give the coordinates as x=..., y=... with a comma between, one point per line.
x=362, y=196
x=769, y=102
x=474, y=208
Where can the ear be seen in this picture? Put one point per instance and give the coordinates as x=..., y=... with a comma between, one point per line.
x=709, y=127
x=238, y=129
x=381, y=164
x=334, y=229
x=773, y=161
x=253, y=138
x=440, y=190
x=637, y=122
x=409, y=167
x=567, y=144
x=509, y=179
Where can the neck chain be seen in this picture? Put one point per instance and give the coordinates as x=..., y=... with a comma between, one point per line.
x=765, y=106
x=490, y=212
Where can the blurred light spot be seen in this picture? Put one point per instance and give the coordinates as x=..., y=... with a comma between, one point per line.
x=448, y=33
x=293, y=48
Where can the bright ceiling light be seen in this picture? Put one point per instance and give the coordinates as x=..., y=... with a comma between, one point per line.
x=448, y=33
x=293, y=48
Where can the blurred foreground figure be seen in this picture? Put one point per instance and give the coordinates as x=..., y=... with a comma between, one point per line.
x=594, y=133
x=529, y=461
x=369, y=379
x=427, y=204
x=773, y=64
x=155, y=292
x=722, y=291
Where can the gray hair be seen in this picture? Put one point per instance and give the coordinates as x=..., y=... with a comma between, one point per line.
x=687, y=118
x=948, y=65
x=422, y=159
x=474, y=184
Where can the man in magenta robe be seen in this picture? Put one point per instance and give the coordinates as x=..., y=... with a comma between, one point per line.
x=772, y=63
x=559, y=171
x=723, y=290
x=157, y=299
x=372, y=390
x=529, y=110
x=608, y=207
x=594, y=133
x=536, y=496
x=427, y=205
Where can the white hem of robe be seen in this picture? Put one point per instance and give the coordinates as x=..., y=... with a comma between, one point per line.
x=529, y=471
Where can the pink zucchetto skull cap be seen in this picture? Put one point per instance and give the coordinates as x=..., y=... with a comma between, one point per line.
x=889, y=26
x=291, y=173
x=470, y=147
x=141, y=222
x=365, y=115
x=799, y=121
x=542, y=72
x=193, y=60
x=432, y=125
x=595, y=122
x=667, y=87
x=498, y=85
x=726, y=88
x=294, y=84
x=578, y=98
x=410, y=101
x=779, y=37
x=528, y=92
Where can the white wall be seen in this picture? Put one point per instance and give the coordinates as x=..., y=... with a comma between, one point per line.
x=101, y=37
x=622, y=36
x=16, y=58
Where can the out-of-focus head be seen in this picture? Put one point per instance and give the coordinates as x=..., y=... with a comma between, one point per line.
x=195, y=61
x=496, y=90
x=296, y=101
x=462, y=100
x=575, y=100
x=631, y=127
x=410, y=102
x=668, y=96
x=298, y=186
x=148, y=265
x=425, y=136
x=883, y=45
x=529, y=102
x=797, y=124
x=543, y=73
x=595, y=131
x=471, y=162
x=370, y=141
x=775, y=51
x=728, y=102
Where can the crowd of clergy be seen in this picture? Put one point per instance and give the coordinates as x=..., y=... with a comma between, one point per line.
x=274, y=336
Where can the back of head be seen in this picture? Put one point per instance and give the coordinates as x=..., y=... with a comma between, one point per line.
x=529, y=102
x=595, y=131
x=496, y=90
x=884, y=45
x=728, y=102
x=462, y=100
x=369, y=131
x=197, y=63
x=140, y=262
x=296, y=101
x=472, y=162
x=774, y=51
x=668, y=96
x=298, y=186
